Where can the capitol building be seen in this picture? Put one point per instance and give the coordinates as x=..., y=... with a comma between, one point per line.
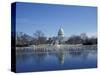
x=60, y=38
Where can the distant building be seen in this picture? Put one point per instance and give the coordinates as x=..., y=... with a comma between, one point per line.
x=60, y=33
x=61, y=36
x=83, y=36
x=60, y=39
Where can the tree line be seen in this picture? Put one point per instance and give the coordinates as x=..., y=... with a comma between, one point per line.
x=23, y=39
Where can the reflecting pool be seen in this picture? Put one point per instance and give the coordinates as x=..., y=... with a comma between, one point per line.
x=41, y=60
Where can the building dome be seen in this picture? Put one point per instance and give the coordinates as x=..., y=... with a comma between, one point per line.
x=61, y=32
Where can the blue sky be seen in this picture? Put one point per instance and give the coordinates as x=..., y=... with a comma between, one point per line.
x=48, y=18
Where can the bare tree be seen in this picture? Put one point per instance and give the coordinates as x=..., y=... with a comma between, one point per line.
x=74, y=40
x=39, y=37
x=22, y=39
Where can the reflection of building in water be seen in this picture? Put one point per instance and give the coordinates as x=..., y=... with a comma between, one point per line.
x=61, y=57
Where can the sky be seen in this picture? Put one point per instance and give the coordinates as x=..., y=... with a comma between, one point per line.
x=48, y=18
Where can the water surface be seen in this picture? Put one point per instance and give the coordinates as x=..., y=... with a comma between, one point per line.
x=56, y=60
